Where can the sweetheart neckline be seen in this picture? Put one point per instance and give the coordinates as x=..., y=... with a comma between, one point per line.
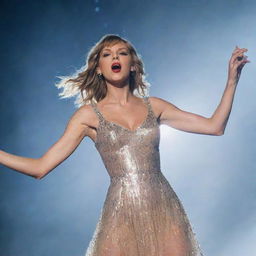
x=121, y=126
x=127, y=129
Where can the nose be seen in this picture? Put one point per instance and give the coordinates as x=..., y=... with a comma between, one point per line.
x=115, y=57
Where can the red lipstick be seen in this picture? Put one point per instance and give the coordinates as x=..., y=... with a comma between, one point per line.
x=116, y=67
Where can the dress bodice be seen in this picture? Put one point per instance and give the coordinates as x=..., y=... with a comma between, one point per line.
x=125, y=152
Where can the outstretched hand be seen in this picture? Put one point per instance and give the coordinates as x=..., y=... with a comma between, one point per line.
x=236, y=63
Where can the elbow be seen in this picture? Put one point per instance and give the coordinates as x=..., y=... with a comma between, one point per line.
x=217, y=128
x=40, y=173
x=41, y=170
x=39, y=176
x=218, y=132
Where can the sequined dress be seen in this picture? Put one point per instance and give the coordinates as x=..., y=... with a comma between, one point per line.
x=141, y=215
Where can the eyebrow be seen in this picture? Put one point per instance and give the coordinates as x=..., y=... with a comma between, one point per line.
x=107, y=49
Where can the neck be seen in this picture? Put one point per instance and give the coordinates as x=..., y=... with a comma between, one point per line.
x=116, y=94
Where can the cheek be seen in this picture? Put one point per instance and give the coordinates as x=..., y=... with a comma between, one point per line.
x=103, y=64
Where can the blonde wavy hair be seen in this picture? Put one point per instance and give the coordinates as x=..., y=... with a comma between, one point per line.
x=87, y=86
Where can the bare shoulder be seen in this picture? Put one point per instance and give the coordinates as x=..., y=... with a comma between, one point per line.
x=86, y=116
x=84, y=120
x=159, y=101
x=159, y=105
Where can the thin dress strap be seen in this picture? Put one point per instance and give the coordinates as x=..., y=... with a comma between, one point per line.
x=96, y=110
x=149, y=105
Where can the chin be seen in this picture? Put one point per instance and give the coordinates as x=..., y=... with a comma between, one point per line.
x=117, y=78
x=118, y=81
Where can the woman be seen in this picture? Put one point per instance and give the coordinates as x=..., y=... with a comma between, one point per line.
x=142, y=215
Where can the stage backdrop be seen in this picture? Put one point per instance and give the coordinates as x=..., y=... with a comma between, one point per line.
x=185, y=46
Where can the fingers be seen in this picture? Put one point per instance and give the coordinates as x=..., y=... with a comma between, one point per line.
x=240, y=62
x=241, y=59
x=239, y=51
x=237, y=62
x=238, y=56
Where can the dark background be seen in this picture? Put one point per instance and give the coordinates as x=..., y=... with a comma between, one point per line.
x=185, y=46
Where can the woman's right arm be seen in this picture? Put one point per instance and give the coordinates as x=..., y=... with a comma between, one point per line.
x=75, y=131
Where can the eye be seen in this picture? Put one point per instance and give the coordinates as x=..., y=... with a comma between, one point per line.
x=107, y=54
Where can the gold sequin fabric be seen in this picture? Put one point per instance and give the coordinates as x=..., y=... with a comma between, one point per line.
x=141, y=215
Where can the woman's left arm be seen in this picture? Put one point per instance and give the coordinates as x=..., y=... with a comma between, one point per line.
x=216, y=124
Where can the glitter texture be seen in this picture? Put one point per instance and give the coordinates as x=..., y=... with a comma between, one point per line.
x=141, y=215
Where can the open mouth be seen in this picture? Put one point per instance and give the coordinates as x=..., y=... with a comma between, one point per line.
x=116, y=67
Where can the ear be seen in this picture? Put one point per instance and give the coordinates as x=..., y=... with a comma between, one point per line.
x=98, y=70
x=132, y=68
